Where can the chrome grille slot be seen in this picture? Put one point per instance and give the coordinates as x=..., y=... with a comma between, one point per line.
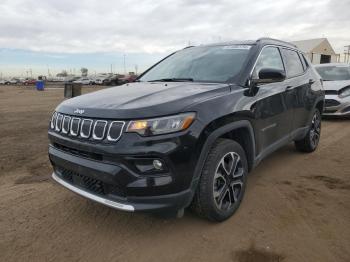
x=66, y=124
x=85, y=130
x=59, y=122
x=99, y=129
x=115, y=130
x=74, y=126
x=53, y=120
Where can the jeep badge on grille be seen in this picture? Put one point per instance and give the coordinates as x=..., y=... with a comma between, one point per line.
x=79, y=111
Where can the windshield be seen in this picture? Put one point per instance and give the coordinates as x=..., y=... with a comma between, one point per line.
x=334, y=73
x=200, y=64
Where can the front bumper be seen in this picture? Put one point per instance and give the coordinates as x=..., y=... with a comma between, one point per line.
x=336, y=106
x=107, y=173
x=91, y=196
x=151, y=204
x=101, y=182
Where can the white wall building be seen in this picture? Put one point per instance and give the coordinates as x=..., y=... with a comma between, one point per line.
x=318, y=50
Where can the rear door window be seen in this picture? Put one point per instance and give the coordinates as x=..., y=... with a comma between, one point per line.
x=294, y=67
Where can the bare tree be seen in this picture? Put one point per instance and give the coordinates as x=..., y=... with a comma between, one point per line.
x=84, y=71
x=62, y=74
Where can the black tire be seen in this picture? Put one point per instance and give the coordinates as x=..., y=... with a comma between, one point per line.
x=214, y=199
x=310, y=142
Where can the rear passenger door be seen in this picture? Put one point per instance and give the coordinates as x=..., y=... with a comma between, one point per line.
x=298, y=88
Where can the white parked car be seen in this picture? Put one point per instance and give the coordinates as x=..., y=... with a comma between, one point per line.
x=14, y=81
x=336, y=82
x=4, y=82
x=99, y=81
x=84, y=81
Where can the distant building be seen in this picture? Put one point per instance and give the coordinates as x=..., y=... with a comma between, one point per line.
x=318, y=50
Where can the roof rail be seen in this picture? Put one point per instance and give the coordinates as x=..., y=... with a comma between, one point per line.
x=277, y=40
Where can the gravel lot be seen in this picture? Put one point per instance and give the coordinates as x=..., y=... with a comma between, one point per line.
x=296, y=207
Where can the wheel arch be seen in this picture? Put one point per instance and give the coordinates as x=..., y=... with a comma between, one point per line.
x=320, y=105
x=240, y=131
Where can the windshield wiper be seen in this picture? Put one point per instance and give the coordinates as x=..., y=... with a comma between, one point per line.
x=172, y=80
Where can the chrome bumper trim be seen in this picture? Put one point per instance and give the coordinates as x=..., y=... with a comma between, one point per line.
x=93, y=197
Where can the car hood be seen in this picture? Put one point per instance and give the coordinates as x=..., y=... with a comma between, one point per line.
x=141, y=99
x=335, y=85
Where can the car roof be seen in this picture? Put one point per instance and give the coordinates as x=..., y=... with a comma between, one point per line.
x=332, y=64
x=264, y=41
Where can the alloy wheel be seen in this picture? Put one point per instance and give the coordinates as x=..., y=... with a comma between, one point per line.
x=228, y=181
x=315, y=130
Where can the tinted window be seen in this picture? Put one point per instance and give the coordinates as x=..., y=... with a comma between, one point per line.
x=293, y=64
x=334, y=73
x=203, y=64
x=270, y=57
x=306, y=63
x=303, y=61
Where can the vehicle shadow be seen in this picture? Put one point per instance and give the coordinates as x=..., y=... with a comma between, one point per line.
x=335, y=118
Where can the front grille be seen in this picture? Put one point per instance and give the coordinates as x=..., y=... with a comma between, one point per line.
x=90, y=184
x=331, y=102
x=95, y=129
x=331, y=92
x=78, y=152
x=329, y=111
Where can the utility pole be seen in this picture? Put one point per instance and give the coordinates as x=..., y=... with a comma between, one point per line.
x=346, y=53
x=124, y=65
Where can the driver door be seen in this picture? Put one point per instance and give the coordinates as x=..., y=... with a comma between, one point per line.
x=273, y=112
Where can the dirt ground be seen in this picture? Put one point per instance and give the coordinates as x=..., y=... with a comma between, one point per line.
x=296, y=207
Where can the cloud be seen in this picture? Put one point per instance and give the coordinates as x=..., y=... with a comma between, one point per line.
x=69, y=34
x=147, y=26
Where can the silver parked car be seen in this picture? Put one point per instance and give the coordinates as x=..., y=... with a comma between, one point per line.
x=336, y=82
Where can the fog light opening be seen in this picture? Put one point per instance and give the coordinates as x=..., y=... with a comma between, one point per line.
x=157, y=164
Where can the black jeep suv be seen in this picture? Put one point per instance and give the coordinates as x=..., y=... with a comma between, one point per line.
x=190, y=128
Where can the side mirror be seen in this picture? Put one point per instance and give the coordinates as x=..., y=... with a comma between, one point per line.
x=270, y=75
x=266, y=75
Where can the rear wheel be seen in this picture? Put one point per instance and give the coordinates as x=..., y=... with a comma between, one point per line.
x=310, y=142
x=223, y=180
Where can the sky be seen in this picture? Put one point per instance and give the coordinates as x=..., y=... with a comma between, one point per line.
x=52, y=35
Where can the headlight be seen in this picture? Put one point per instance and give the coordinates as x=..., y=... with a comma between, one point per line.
x=162, y=125
x=344, y=92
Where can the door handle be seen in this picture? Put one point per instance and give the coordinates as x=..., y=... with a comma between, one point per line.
x=289, y=87
x=311, y=81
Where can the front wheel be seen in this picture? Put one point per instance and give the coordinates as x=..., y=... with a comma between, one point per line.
x=222, y=183
x=310, y=142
